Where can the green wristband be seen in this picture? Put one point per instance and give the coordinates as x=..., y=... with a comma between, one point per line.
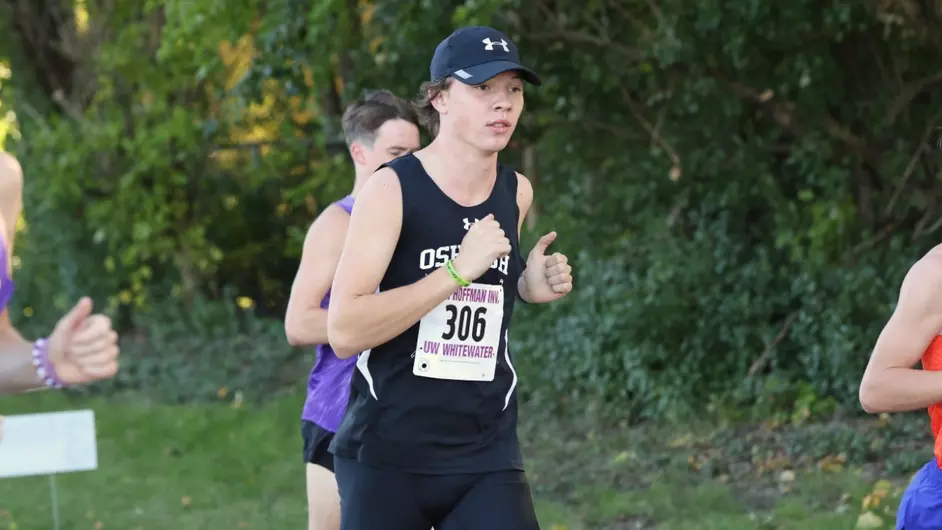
x=454, y=274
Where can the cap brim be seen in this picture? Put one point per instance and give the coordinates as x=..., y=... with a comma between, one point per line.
x=476, y=75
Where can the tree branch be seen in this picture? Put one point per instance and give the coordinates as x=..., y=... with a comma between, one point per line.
x=921, y=148
x=783, y=111
x=907, y=94
x=581, y=36
x=655, y=136
x=35, y=23
x=623, y=11
x=764, y=357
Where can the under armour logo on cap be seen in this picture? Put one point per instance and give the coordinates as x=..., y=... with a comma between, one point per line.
x=489, y=45
x=474, y=54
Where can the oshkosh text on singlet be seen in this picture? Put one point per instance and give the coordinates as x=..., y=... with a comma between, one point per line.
x=433, y=258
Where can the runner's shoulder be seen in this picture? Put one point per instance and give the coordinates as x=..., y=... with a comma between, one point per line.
x=11, y=174
x=925, y=276
x=333, y=215
x=524, y=191
x=523, y=184
x=380, y=184
x=380, y=199
x=332, y=223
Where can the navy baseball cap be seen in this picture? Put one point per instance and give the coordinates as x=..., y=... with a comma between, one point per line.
x=474, y=54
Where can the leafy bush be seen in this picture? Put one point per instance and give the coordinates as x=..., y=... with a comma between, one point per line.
x=207, y=351
x=740, y=188
x=678, y=328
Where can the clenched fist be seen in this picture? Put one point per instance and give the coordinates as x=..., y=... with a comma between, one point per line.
x=484, y=243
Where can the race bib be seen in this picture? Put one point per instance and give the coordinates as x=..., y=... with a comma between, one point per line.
x=458, y=339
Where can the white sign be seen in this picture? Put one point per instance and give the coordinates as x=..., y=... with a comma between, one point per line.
x=48, y=443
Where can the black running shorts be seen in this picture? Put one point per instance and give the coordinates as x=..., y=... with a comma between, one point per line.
x=381, y=499
x=316, y=441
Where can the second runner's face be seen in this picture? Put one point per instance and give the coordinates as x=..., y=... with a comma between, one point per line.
x=488, y=113
x=393, y=139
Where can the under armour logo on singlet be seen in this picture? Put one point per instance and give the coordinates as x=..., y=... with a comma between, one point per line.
x=489, y=45
x=469, y=223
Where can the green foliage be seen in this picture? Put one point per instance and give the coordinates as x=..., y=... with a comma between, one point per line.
x=741, y=188
x=207, y=351
x=653, y=331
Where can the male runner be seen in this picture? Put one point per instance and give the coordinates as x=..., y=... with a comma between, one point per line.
x=425, y=289
x=82, y=347
x=378, y=128
x=891, y=384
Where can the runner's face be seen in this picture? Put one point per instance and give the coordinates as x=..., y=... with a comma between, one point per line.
x=393, y=139
x=488, y=113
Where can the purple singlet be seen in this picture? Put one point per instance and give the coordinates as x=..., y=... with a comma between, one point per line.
x=6, y=283
x=328, y=387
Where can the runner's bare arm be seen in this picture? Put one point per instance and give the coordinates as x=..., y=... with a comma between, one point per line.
x=17, y=373
x=305, y=321
x=524, y=201
x=359, y=317
x=11, y=196
x=890, y=383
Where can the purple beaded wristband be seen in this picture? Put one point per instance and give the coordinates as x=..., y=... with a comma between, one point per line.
x=44, y=368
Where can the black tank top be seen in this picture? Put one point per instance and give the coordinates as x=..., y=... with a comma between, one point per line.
x=399, y=419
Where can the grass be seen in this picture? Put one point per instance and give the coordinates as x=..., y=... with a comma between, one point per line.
x=221, y=466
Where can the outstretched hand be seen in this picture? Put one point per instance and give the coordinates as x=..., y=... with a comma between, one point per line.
x=83, y=347
x=548, y=278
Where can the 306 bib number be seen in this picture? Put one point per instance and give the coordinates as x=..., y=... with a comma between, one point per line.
x=465, y=323
x=458, y=339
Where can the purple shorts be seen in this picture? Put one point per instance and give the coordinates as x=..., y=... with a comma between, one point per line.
x=921, y=506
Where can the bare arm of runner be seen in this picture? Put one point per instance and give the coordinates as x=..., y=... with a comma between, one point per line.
x=17, y=373
x=11, y=196
x=82, y=347
x=305, y=321
x=890, y=383
x=360, y=318
x=524, y=201
x=546, y=278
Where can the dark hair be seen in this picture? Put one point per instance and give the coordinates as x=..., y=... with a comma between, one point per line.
x=428, y=115
x=364, y=117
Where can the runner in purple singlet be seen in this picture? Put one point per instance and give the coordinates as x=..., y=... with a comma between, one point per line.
x=81, y=348
x=378, y=128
